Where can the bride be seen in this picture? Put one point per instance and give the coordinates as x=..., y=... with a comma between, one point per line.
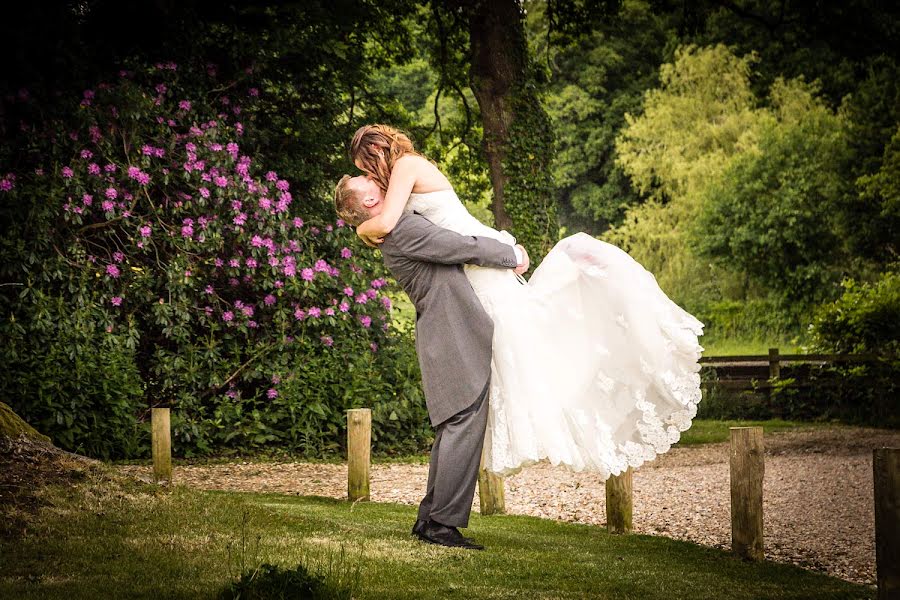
x=594, y=367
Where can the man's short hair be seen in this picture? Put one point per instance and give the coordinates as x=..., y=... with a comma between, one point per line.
x=348, y=202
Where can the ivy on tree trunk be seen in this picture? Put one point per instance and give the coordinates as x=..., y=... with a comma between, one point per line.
x=518, y=138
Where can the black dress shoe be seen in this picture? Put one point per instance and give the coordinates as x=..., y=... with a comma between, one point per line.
x=435, y=533
x=420, y=524
x=417, y=528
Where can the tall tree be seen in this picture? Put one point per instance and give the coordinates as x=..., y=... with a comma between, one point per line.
x=518, y=138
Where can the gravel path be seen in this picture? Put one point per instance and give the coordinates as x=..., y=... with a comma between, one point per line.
x=818, y=502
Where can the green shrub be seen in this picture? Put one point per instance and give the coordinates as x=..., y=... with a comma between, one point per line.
x=155, y=263
x=865, y=319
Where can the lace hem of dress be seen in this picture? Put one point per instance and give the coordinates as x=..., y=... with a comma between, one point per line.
x=657, y=434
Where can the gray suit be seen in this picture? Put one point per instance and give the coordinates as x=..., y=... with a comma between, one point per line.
x=453, y=342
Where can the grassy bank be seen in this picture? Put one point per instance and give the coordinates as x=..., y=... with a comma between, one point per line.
x=106, y=538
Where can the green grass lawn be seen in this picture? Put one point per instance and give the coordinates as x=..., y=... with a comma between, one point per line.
x=706, y=431
x=108, y=539
x=713, y=346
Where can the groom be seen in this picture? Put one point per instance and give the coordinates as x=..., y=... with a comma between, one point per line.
x=453, y=342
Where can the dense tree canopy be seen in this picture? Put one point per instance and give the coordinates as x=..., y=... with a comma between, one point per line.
x=746, y=152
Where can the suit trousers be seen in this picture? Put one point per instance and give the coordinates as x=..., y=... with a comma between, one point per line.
x=455, y=459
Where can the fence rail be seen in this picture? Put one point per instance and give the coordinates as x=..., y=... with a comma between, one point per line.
x=757, y=372
x=764, y=358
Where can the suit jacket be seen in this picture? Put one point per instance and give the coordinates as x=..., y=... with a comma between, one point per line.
x=453, y=332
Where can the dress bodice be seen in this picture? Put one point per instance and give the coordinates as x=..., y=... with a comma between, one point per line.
x=444, y=209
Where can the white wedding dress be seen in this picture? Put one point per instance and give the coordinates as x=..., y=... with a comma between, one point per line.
x=593, y=367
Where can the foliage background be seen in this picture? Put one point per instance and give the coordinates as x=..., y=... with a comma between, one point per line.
x=746, y=153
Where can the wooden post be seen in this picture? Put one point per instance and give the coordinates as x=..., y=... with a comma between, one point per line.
x=886, y=467
x=359, y=449
x=774, y=373
x=619, y=502
x=161, y=444
x=774, y=363
x=491, y=495
x=747, y=468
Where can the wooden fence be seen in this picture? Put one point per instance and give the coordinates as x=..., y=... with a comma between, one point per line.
x=746, y=468
x=753, y=371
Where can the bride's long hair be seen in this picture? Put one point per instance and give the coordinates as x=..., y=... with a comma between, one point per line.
x=377, y=147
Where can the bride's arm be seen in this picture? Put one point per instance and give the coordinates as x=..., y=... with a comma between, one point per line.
x=403, y=178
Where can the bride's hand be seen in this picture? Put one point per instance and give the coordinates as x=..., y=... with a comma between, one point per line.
x=369, y=233
x=370, y=241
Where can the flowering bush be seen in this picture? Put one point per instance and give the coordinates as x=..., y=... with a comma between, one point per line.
x=258, y=325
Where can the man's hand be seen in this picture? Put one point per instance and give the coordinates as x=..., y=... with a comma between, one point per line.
x=523, y=266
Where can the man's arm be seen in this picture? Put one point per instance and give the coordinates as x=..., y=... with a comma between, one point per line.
x=418, y=238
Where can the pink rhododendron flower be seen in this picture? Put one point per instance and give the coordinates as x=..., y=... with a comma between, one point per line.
x=227, y=316
x=67, y=172
x=307, y=274
x=366, y=321
x=346, y=253
x=269, y=300
x=112, y=271
x=116, y=300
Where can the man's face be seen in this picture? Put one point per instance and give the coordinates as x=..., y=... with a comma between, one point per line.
x=371, y=196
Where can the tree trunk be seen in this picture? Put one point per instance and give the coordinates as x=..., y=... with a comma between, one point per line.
x=518, y=140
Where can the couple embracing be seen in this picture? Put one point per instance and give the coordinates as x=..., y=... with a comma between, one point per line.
x=588, y=364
